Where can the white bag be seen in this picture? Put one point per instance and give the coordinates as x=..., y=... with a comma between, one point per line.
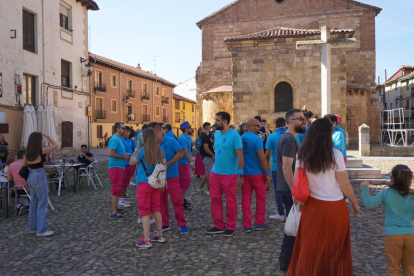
x=292, y=222
x=158, y=177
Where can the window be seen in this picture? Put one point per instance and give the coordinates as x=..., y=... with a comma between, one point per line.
x=113, y=80
x=144, y=109
x=164, y=92
x=29, y=89
x=177, y=117
x=183, y=117
x=192, y=108
x=407, y=85
x=157, y=91
x=29, y=31
x=407, y=104
x=98, y=78
x=129, y=109
x=129, y=84
x=183, y=105
x=192, y=120
x=283, y=97
x=177, y=104
x=67, y=134
x=65, y=73
x=144, y=87
x=99, y=132
x=157, y=111
x=64, y=17
x=390, y=105
x=113, y=106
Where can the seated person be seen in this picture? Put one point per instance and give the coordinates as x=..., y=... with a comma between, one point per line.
x=19, y=182
x=85, y=157
x=10, y=159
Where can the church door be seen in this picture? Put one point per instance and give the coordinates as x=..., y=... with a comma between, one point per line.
x=283, y=97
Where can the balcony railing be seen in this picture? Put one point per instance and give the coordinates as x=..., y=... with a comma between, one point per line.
x=100, y=87
x=165, y=100
x=146, y=118
x=177, y=120
x=165, y=119
x=145, y=96
x=100, y=114
x=130, y=93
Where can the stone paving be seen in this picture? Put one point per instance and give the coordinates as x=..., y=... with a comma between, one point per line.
x=88, y=242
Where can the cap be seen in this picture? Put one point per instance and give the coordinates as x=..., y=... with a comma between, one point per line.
x=185, y=125
x=337, y=118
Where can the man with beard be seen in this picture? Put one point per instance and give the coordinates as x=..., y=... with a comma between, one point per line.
x=185, y=162
x=286, y=159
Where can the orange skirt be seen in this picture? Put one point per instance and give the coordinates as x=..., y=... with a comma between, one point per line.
x=323, y=242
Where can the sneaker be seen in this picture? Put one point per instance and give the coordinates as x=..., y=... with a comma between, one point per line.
x=261, y=227
x=278, y=217
x=127, y=196
x=187, y=202
x=248, y=230
x=152, y=221
x=131, y=183
x=45, y=234
x=117, y=216
x=186, y=208
x=184, y=230
x=229, y=233
x=120, y=210
x=207, y=193
x=124, y=204
x=166, y=228
x=157, y=238
x=139, y=220
x=144, y=244
x=213, y=231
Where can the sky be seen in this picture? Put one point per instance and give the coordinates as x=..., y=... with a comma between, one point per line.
x=165, y=31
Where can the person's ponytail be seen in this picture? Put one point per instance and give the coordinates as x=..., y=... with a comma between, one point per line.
x=401, y=179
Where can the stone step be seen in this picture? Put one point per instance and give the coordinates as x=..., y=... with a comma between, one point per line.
x=354, y=163
x=366, y=172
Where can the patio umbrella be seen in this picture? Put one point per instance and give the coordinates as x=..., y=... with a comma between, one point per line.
x=34, y=118
x=50, y=128
x=41, y=121
x=28, y=127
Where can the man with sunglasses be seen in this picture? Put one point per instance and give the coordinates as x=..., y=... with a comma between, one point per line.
x=286, y=158
x=116, y=167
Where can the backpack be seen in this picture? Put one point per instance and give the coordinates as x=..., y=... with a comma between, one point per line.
x=157, y=179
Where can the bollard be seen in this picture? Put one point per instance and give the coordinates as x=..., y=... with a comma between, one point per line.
x=364, y=140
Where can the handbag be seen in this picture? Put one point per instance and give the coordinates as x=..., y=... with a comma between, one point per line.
x=158, y=176
x=24, y=172
x=292, y=221
x=300, y=190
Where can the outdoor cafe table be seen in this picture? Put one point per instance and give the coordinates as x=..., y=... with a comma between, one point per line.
x=65, y=168
x=4, y=186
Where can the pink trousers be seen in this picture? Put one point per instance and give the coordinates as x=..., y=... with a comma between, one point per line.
x=185, y=177
x=256, y=183
x=173, y=189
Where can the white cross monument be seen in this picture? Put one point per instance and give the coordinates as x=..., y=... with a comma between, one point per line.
x=327, y=43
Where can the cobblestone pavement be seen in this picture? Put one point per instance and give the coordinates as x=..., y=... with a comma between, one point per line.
x=88, y=242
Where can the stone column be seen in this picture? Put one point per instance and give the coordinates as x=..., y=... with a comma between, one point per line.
x=364, y=140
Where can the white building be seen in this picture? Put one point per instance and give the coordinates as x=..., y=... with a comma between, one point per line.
x=41, y=48
x=398, y=90
x=187, y=89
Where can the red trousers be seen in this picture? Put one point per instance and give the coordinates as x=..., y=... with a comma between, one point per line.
x=185, y=177
x=148, y=199
x=256, y=183
x=228, y=184
x=173, y=189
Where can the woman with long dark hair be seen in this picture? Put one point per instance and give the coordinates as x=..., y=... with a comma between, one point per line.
x=323, y=241
x=35, y=159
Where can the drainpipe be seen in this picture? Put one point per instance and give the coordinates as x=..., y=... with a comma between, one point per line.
x=153, y=103
x=43, y=51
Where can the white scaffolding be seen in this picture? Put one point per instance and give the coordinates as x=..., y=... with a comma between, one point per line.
x=397, y=127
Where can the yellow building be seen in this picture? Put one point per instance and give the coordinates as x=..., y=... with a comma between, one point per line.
x=184, y=109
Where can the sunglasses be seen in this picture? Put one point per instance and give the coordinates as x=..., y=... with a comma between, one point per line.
x=257, y=125
x=302, y=119
x=163, y=127
x=123, y=128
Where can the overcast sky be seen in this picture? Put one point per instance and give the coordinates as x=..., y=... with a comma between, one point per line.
x=136, y=31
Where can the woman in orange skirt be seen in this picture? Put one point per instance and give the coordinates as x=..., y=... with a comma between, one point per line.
x=323, y=241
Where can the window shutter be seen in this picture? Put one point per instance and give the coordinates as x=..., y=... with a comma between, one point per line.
x=99, y=132
x=67, y=134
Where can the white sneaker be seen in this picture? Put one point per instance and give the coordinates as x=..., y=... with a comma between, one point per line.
x=207, y=193
x=45, y=234
x=124, y=204
x=278, y=217
x=152, y=221
x=127, y=201
x=139, y=220
x=131, y=183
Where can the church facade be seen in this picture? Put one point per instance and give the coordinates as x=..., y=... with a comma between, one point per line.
x=250, y=65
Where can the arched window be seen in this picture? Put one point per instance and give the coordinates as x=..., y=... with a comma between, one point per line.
x=283, y=97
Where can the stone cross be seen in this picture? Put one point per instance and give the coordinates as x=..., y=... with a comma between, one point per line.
x=327, y=43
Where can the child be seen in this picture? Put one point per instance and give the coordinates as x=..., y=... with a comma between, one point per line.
x=399, y=214
x=148, y=197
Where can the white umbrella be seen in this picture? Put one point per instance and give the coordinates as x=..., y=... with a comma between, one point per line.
x=26, y=126
x=50, y=129
x=41, y=122
x=34, y=117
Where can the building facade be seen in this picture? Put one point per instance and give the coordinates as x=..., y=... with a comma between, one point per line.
x=123, y=93
x=254, y=80
x=43, y=46
x=184, y=110
x=187, y=89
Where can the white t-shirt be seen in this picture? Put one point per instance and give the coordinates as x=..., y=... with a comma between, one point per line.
x=325, y=186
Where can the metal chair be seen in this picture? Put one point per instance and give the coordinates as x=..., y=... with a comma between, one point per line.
x=54, y=175
x=90, y=173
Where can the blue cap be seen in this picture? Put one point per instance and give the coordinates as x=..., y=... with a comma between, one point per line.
x=185, y=125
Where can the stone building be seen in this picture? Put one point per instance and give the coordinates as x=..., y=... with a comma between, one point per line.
x=250, y=65
x=42, y=46
x=184, y=110
x=124, y=93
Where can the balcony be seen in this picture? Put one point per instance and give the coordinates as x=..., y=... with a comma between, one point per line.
x=165, y=100
x=131, y=117
x=130, y=94
x=145, y=96
x=146, y=118
x=100, y=115
x=177, y=120
x=100, y=87
x=165, y=119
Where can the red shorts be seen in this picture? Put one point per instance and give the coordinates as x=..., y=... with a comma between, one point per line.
x=117, y=176
x=129, y=172
x=184, y=176
x=148, y=199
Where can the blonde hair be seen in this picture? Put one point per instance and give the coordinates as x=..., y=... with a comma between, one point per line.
x=152, y=151
x=10, y=158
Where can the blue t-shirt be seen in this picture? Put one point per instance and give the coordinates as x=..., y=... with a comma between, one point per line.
x=301, y=136
x=190, y=139
x=171, y=134
x=139, y=136
x=251, y=144
x=128, y=148
x=184, y=144
x=227, y=162
x=116, y=144
x=198, y=142
x=339, y=140
x=271, y=144
x=141, y=176
x=399, y=210
x=133, y=144
x=170, y=147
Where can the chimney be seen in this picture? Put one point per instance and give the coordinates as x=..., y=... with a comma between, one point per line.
x=139, y=66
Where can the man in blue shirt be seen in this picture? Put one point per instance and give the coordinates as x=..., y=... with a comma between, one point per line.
x=185, y=162
x=116, y=167
x=338, y=135
x=271, y=149
x=173, y=153
x=255, y=170
x=170, y=132
x=139, y=136
x=227, y=172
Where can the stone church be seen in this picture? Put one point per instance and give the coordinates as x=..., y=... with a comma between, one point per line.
x=250, y=65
